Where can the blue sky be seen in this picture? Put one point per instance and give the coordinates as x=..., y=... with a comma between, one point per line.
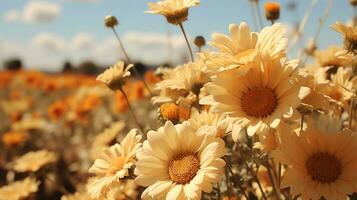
x=81, y=17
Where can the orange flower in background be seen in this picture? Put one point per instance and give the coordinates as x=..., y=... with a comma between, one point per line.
x=13, y=138
x=15, y=95
x=151, y=78
x=6, y=78
x=86, y=105
x=33, y=78
x=50, y=85
x=120, y=104
x=174, y=113
x=57, y=109
x=15, y=116
x=137, y=91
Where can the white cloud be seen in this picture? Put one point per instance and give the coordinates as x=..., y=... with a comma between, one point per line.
x=12, y=16
x=48, y=51
x=83, y=42
x=83, y=1
x=154, y=48
x=49, y=42
x=41, y=12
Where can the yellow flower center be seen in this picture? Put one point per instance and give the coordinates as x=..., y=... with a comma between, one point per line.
x=184, y=167
x=259, y=102
x=323, y=167
x=116, y=165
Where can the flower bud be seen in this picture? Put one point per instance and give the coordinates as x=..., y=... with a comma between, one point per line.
x=200, y=41
x=110, y=21
x=272, y=10
x=353, y=2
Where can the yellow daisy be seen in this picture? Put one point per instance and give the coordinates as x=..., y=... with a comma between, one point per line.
x=242, y=45
x=114, y=164
x=34, y=160
x=182, y=85
x=178, y=163
x=329, y=58
x=320, y=164
x=175, y=11
x=208, y=122
x=105, y=138
x=19, y=189
x=259, y=99
x=114, y=76
x=349, y=34
x=341, y=87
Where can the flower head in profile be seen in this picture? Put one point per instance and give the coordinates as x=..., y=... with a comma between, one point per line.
x=175, y=11
x=349, y=34
x=260, y=99
x=34, y=160
x=105, y=138
x=176, y=162
x=182, y=85
x=19, y=189
x=208, y=122
x=320, y=164
x=242, y=45
x=115, y=75
x=114, y=164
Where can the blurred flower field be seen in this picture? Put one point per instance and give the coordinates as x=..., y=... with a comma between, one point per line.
x=240, y=120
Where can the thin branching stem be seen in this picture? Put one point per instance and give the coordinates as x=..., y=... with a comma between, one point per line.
x=132, y=110
x=130, y=61
x=187, y=42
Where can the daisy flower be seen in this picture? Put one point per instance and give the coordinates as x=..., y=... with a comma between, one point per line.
x=242, y=45
x=349, y=34
x=34, y=160
x=19, y=189
x=208, y=122
x=320, y=164
x=341, y=87
x=178, y=163
x=182, y=85
x=105, y=138
x=175, y=11
x=259, y=99
x=114, y=76
x=114, y=164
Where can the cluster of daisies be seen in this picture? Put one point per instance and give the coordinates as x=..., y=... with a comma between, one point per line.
x=244, y=95
x=240, y=121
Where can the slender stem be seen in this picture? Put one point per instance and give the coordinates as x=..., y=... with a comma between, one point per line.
x=257, y=10
x=253, y=15
x=187, y=42
x=257, y=180
x=238, y=182
x=302, y=122
x=273, y=182
x=228, y=183
x=59, y=187
x=199, y=49
x=130, y=61
x=219, y=190
x=351, y=113
x=131, y=110
x=272, y=22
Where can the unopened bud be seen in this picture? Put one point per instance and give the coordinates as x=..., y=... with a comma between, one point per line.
x=110, y=21
x=200, y=41
x=272, y=10
x=353, y=2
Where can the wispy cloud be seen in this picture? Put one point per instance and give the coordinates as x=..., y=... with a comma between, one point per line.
x=12, y=16
x=49, y=51
x=41, y=12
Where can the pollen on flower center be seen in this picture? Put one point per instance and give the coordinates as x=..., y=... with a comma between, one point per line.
x=323, y=167
x=259, y=102
x=184, y=167
x=116, y=165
